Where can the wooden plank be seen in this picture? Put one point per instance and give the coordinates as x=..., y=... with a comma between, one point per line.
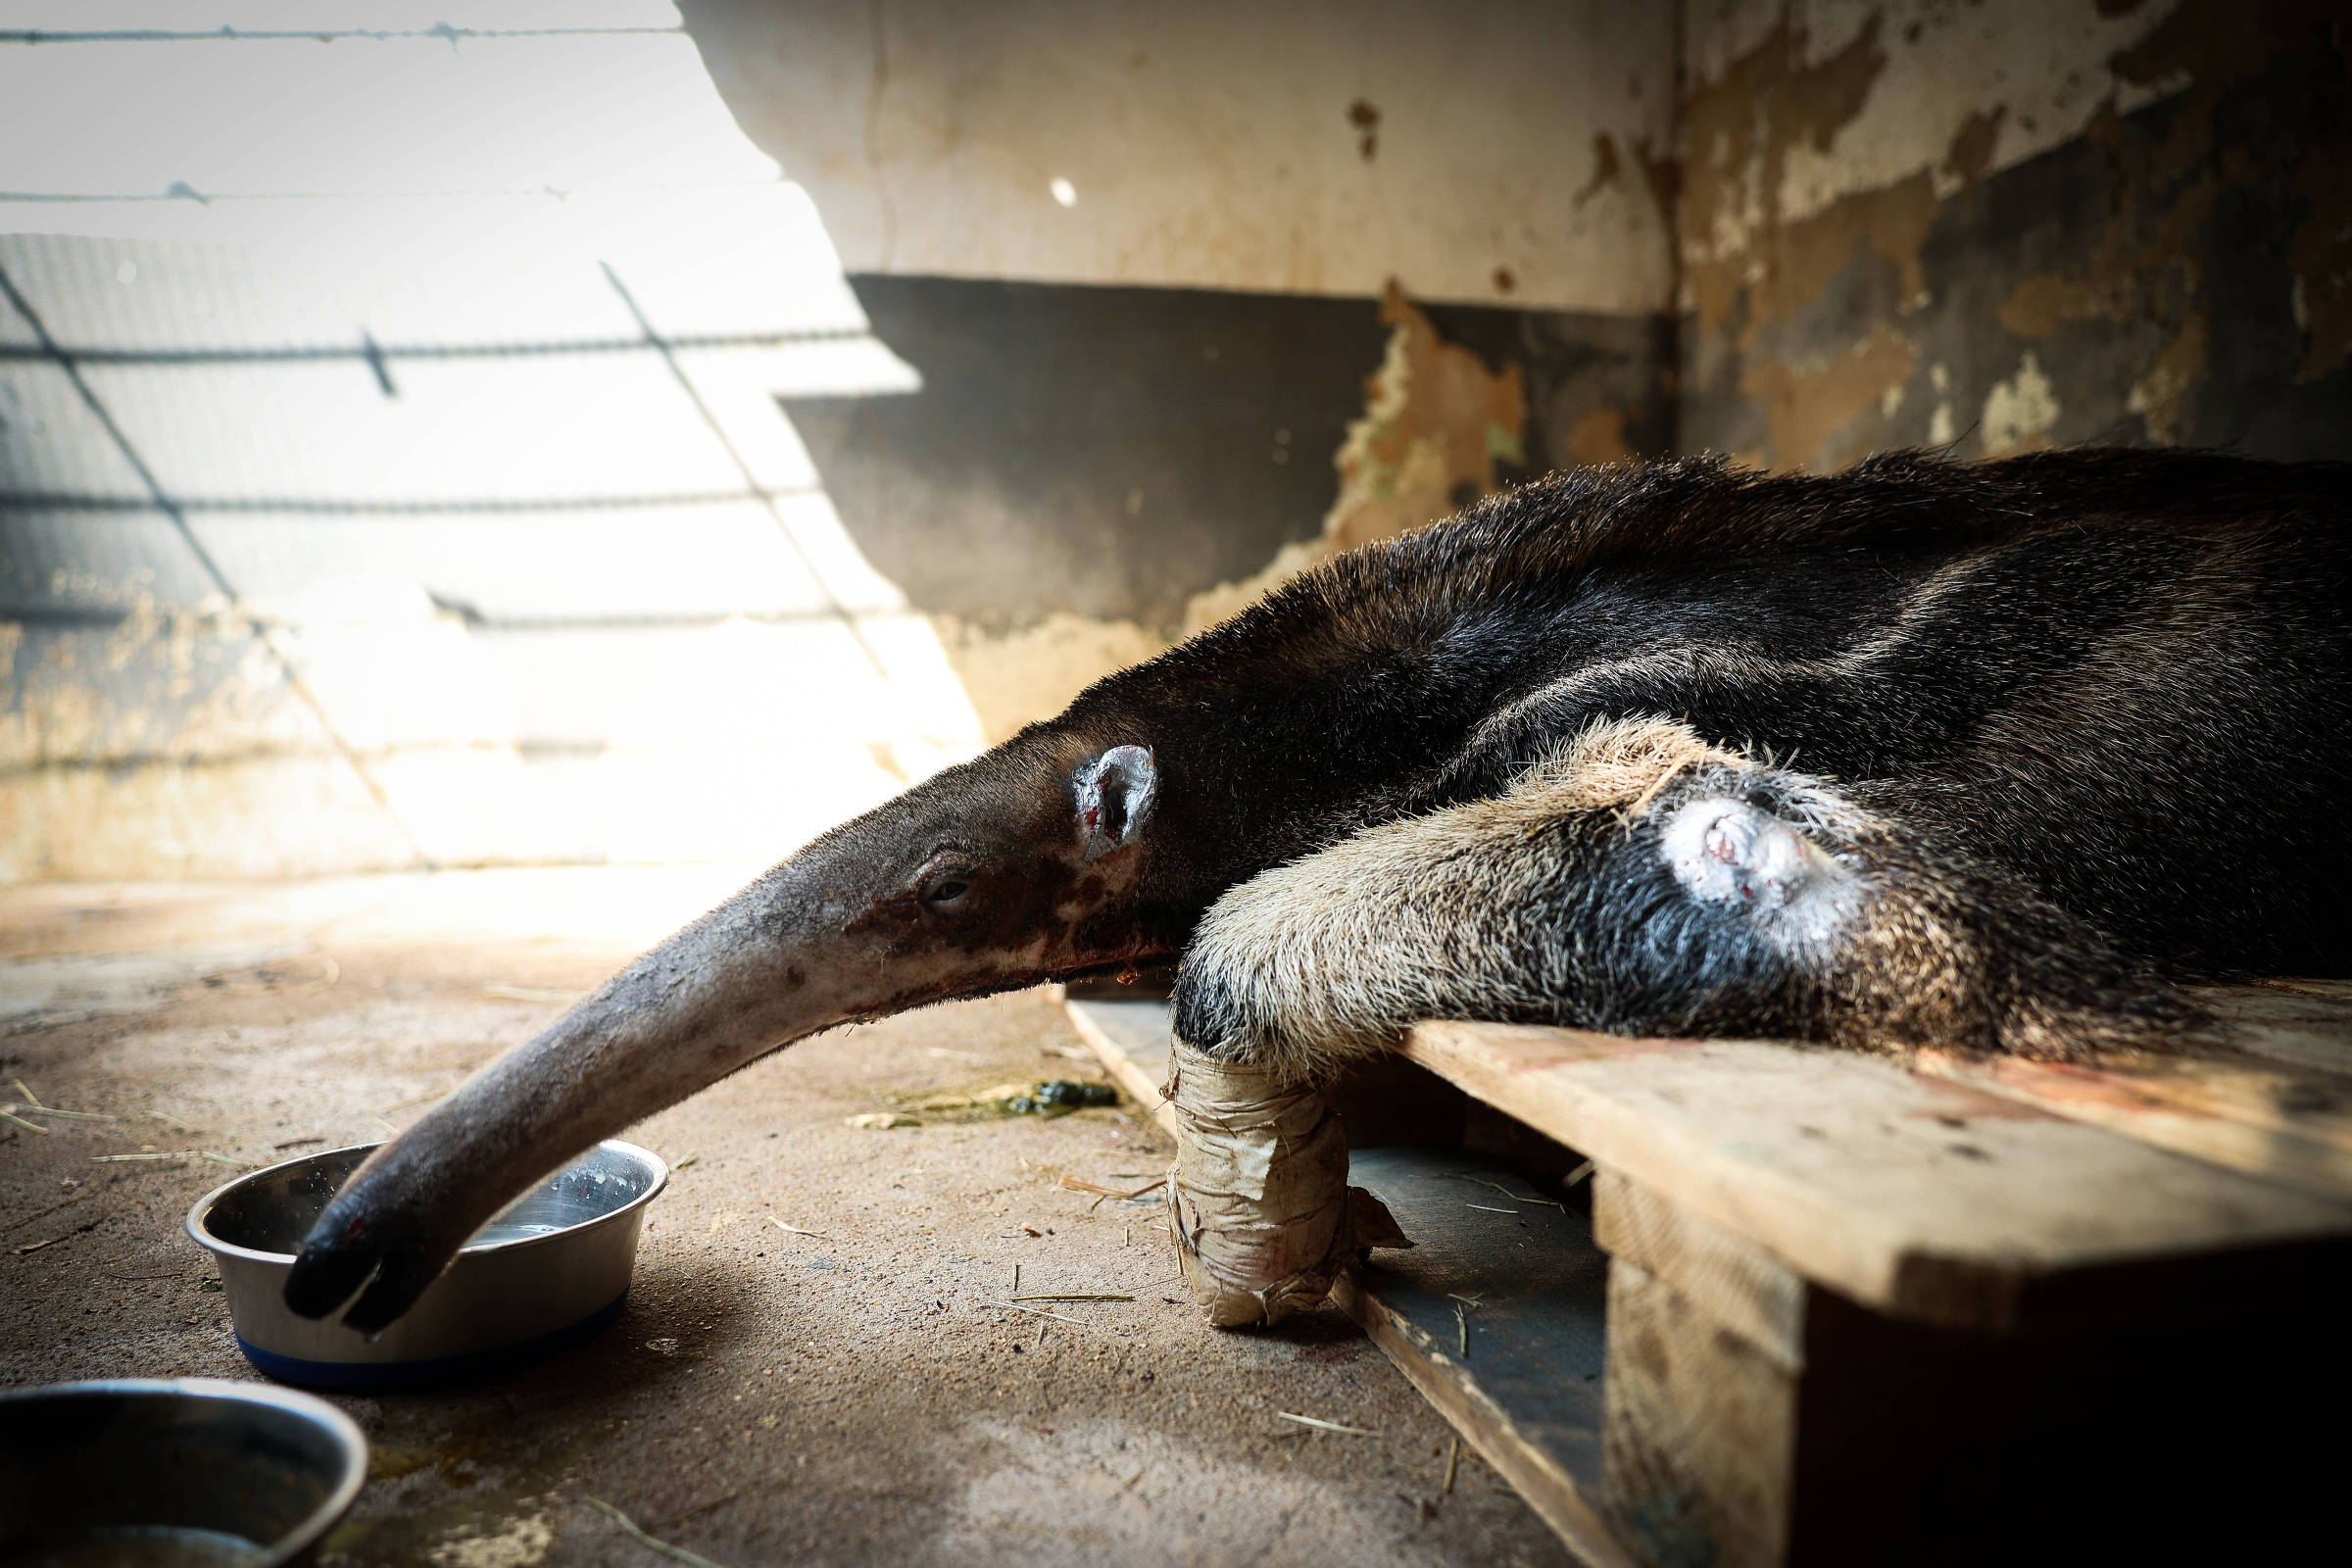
x=2269, y=1093
x=2264, y=1117
x=1918, y=1197
x=1132, y=1040
x=1740, y=1286
x=1528, y=1394
x=2306, y=1022
x=1701, y=1432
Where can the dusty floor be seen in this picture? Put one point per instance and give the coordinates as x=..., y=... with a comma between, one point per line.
x=849, y=1397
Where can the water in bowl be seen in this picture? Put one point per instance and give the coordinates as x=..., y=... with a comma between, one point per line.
x=577, y=1194
x=509, y=1230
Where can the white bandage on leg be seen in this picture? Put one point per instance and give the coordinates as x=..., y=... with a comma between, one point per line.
x=1258, y=1200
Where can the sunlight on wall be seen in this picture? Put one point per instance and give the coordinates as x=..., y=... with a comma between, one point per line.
x=390, y=464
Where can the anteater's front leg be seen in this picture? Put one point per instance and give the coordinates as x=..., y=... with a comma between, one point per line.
x=1639, y=882
x=1642, y=882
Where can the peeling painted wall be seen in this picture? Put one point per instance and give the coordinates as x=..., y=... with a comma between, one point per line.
x=2015, y=224
x=1439, y=428
x=1086, y=479
x=1988, y=224
x=1470, y=150
x=1143, y=259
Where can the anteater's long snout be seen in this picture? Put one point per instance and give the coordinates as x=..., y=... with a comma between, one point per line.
x=1001, y=872
x=753, y=974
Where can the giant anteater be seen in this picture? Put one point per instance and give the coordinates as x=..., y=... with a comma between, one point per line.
x=1988, y=755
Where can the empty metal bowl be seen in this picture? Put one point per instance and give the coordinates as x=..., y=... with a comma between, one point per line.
x=192, y=1472
x=549, y=1270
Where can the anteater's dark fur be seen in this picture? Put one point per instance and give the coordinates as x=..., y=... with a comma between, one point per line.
x=2091, y=705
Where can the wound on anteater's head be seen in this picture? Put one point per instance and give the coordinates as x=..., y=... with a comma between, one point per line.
x=1116, y=794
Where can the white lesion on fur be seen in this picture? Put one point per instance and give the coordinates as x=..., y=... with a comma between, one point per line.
x=1329, y=958
x=1729, y=851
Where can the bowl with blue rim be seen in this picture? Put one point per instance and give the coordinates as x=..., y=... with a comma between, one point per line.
x=546, y=1272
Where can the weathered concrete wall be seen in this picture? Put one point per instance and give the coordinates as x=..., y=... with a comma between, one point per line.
x=1111, y=452
x=1482, y=150
x=1138, y=254
x=1087, y=473
x=2016, y=223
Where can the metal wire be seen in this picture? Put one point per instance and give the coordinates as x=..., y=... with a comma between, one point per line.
x=370, y=352
x=340, y=507
x=164, y=503
x=767, y=497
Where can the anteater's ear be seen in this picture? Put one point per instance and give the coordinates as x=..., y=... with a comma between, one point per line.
x=1115, y=791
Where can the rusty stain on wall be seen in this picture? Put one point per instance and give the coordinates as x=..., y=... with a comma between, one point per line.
x=1435, y=422
x=2146, y=263
x=1605, y=166
x=1820, y=324
x=1807, y=406
x=1971, y=153
x=1599, y=437
x=173, y=740
x=63, y=715
x=1737, y=129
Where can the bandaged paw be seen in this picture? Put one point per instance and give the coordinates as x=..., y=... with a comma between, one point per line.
x=1258, y=1201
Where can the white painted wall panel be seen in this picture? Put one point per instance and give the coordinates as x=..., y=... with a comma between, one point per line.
x=712, y=560
x=1210, y=145
x=250, y=117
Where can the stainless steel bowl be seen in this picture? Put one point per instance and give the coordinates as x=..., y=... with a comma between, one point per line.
x=548, y=1271
x=193, y=1471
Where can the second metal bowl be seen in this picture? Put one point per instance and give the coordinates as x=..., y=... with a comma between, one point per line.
x=193, y=1471
x=548, y=1270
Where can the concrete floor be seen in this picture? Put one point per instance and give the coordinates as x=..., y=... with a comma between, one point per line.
x=764, y=1397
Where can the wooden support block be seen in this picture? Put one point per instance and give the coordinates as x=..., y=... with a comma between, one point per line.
x=1916, y=1197
x=1742, y=1286
x=1701, y=1432
x=1873, y=1439
x=1854, y=1313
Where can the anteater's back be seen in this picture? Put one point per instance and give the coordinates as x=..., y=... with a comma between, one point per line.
x=2122, y=675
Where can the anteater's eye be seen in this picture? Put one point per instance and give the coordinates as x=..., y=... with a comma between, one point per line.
x=946, y=893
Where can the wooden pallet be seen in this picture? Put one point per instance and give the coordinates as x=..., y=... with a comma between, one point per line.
x=1850, y=1311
